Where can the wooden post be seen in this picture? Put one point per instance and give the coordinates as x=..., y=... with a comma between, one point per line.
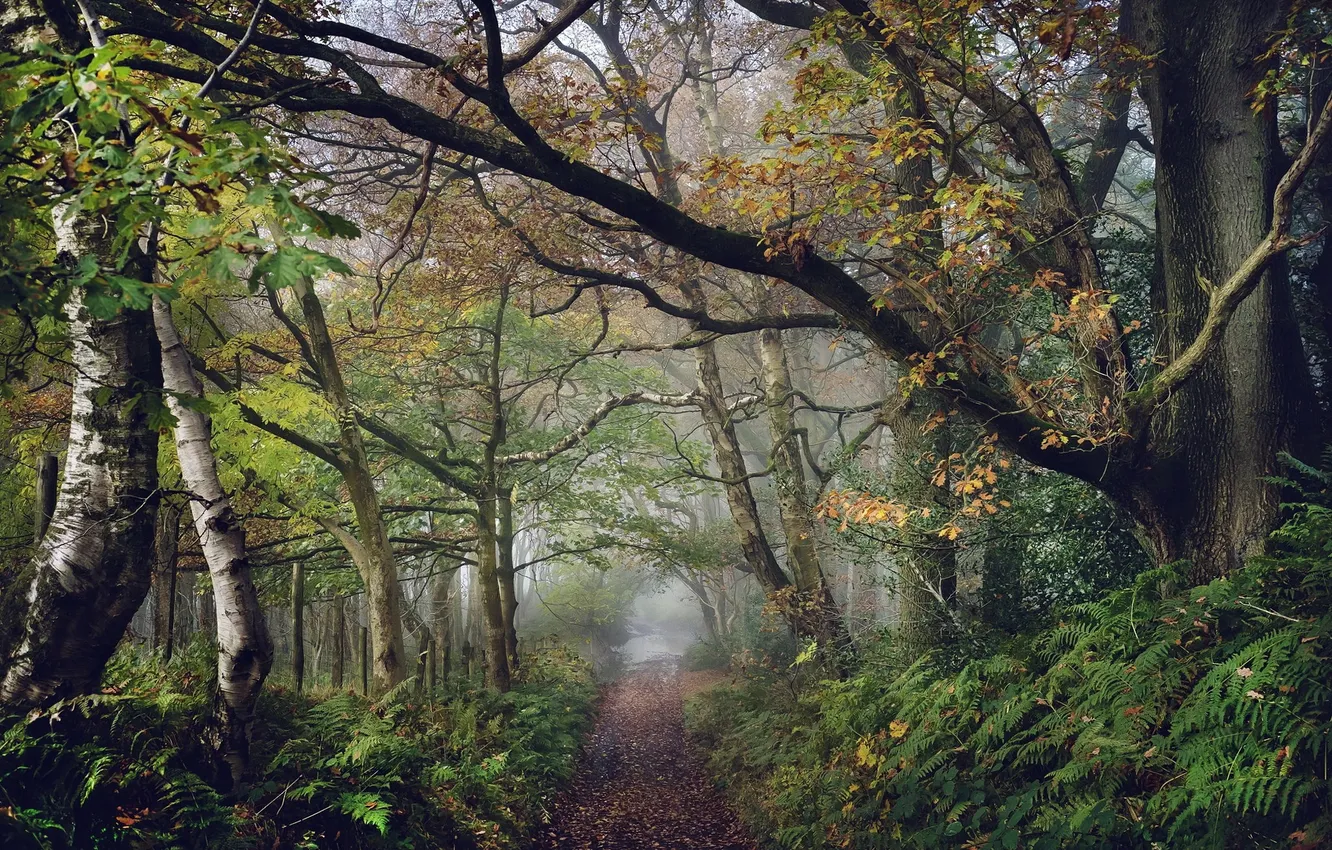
x=298, y=624
x=466, y=666
x=47, y=469
x=365, y=660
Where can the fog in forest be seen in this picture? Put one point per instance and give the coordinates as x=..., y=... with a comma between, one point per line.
x=797, y=424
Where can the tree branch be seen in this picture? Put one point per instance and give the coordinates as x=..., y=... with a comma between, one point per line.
x=1226, y=298
x=580, y=433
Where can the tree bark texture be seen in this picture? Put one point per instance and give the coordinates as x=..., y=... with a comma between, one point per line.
x=165, y=548
x=1200, y=494
x=93, y=568
x=379, y=570
x=244, y=648
x=487, y=575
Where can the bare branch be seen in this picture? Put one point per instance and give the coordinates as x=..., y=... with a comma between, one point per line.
x=580, y=433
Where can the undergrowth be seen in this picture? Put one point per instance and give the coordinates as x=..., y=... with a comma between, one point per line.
x=1156, y=717
x=463, y=768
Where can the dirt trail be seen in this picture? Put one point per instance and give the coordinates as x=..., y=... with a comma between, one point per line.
x=639, y=785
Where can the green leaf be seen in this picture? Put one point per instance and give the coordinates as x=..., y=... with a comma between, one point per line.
x=288, y=265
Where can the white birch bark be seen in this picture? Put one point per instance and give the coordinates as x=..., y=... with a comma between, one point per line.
x=244, y=649
x=93, y=566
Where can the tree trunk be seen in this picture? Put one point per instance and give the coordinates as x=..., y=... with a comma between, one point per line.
x=63, y=615
x=709, y=618
x=207, y=602
x=244, y=649
x=339, y=640
x=1320, y=276
x=165, y=548
x=365, y=661
x=184, y=625
x=443, y=607
x=721, y=604
x=1200, y=494
x=793, y=498
x=432, y=671
x=298, y=625
x=473, y=631
x=926, y=572
x=379, y=571
x=797, y=514
x=731, y=462
x=507, y=576
x=423, y=657
x=48, y=471
x=497, y=671
x=94, y=565
x=808, y=622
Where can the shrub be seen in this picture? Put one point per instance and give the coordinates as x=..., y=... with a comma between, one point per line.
x=466, y=768
x=706, y=655
x=1152, y=718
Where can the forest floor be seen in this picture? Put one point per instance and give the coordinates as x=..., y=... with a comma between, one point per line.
x=639, y=785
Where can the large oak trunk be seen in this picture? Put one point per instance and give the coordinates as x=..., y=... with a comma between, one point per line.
x=1200, y=493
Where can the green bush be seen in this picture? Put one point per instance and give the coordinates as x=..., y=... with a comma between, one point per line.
x=706, y=655
x=1153, y=718
x=464, y=768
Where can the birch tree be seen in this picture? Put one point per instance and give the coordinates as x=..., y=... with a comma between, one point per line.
x=68, y=611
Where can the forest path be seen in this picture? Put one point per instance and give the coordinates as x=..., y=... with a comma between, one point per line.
x=640, y=786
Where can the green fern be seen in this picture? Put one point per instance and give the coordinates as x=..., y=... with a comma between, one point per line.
x=1197, y=717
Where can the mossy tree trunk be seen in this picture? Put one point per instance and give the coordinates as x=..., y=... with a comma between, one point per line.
x=377, y=565
x=794, y=502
